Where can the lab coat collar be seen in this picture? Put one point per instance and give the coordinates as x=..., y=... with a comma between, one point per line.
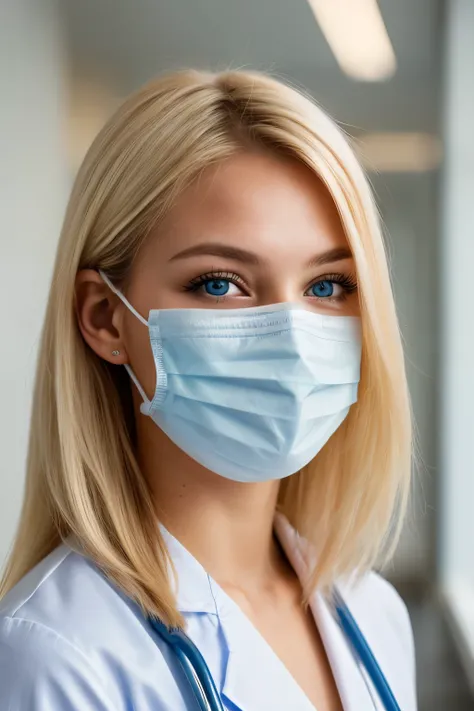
x=194, y=589
x=193, y=586
x=198, y=593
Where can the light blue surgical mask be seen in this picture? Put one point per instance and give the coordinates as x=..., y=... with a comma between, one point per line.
x=252, y=394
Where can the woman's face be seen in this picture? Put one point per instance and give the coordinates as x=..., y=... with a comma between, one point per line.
x=253, y=230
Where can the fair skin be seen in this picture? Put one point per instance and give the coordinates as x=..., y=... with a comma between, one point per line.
x=267, y=232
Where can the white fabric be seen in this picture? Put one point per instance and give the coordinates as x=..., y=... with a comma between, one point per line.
x=70, y=641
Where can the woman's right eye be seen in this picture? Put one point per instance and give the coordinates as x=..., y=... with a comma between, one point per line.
x=220, y=287
x=217, y=286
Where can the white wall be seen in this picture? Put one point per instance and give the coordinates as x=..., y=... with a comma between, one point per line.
x=33, y=188
x=457, y=334
x=408, y=203
x=457, y=343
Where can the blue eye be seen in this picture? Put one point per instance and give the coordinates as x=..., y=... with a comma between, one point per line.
x=216, y=287
x=323, y=289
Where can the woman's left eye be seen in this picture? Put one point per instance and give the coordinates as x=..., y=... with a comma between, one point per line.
x=325, y=289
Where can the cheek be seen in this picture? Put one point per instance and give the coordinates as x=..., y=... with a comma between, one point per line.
x=353, y=305
x=140, y=356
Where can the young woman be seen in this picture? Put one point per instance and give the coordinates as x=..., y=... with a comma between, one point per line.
x=220, y=440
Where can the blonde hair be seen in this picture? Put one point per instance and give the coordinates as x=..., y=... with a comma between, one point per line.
x=82, y=474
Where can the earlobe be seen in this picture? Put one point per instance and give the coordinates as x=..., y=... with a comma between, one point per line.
x=97, y=310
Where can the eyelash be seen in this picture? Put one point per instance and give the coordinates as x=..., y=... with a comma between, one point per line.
x=347, y=282
x=197, y=282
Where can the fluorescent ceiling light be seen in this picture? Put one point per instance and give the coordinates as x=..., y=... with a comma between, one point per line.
x=355, y=31
x=399, y=152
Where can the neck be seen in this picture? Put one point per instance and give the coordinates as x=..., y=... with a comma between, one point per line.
x=226, y=525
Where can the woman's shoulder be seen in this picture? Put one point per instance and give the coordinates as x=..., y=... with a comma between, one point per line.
x=70, y=640
x=42, y=649
x=61, y=593
x=58, y=627
x=45, y=574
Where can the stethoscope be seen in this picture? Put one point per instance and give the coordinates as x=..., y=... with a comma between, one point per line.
x=203, y=685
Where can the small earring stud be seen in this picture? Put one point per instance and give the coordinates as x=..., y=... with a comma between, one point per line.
x=115, y=353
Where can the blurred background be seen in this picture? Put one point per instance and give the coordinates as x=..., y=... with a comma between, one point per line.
x=398, y=76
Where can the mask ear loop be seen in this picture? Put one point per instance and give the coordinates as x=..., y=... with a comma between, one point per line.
x=146, y=403
x=122, y=298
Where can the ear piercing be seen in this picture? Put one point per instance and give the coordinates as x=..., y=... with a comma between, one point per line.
x=115, y=353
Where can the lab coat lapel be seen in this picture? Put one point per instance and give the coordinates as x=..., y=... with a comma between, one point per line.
x=350, y=680
x=255, y=678
x=352, y=686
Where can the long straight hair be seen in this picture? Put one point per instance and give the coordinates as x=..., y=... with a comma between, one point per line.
x=82, y=473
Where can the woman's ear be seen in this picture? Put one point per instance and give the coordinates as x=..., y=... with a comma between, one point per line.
x=99, y=315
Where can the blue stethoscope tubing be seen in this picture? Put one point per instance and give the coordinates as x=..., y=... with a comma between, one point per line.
x=202, y=683
x=364, y=653
x=193, y=664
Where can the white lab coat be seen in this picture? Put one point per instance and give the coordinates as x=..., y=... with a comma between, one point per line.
x=70, y=641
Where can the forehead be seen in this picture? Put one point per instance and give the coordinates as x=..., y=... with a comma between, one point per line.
x=260, y=202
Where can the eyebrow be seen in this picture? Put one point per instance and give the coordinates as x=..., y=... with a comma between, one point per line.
x=216, y=249
x=332, y=255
